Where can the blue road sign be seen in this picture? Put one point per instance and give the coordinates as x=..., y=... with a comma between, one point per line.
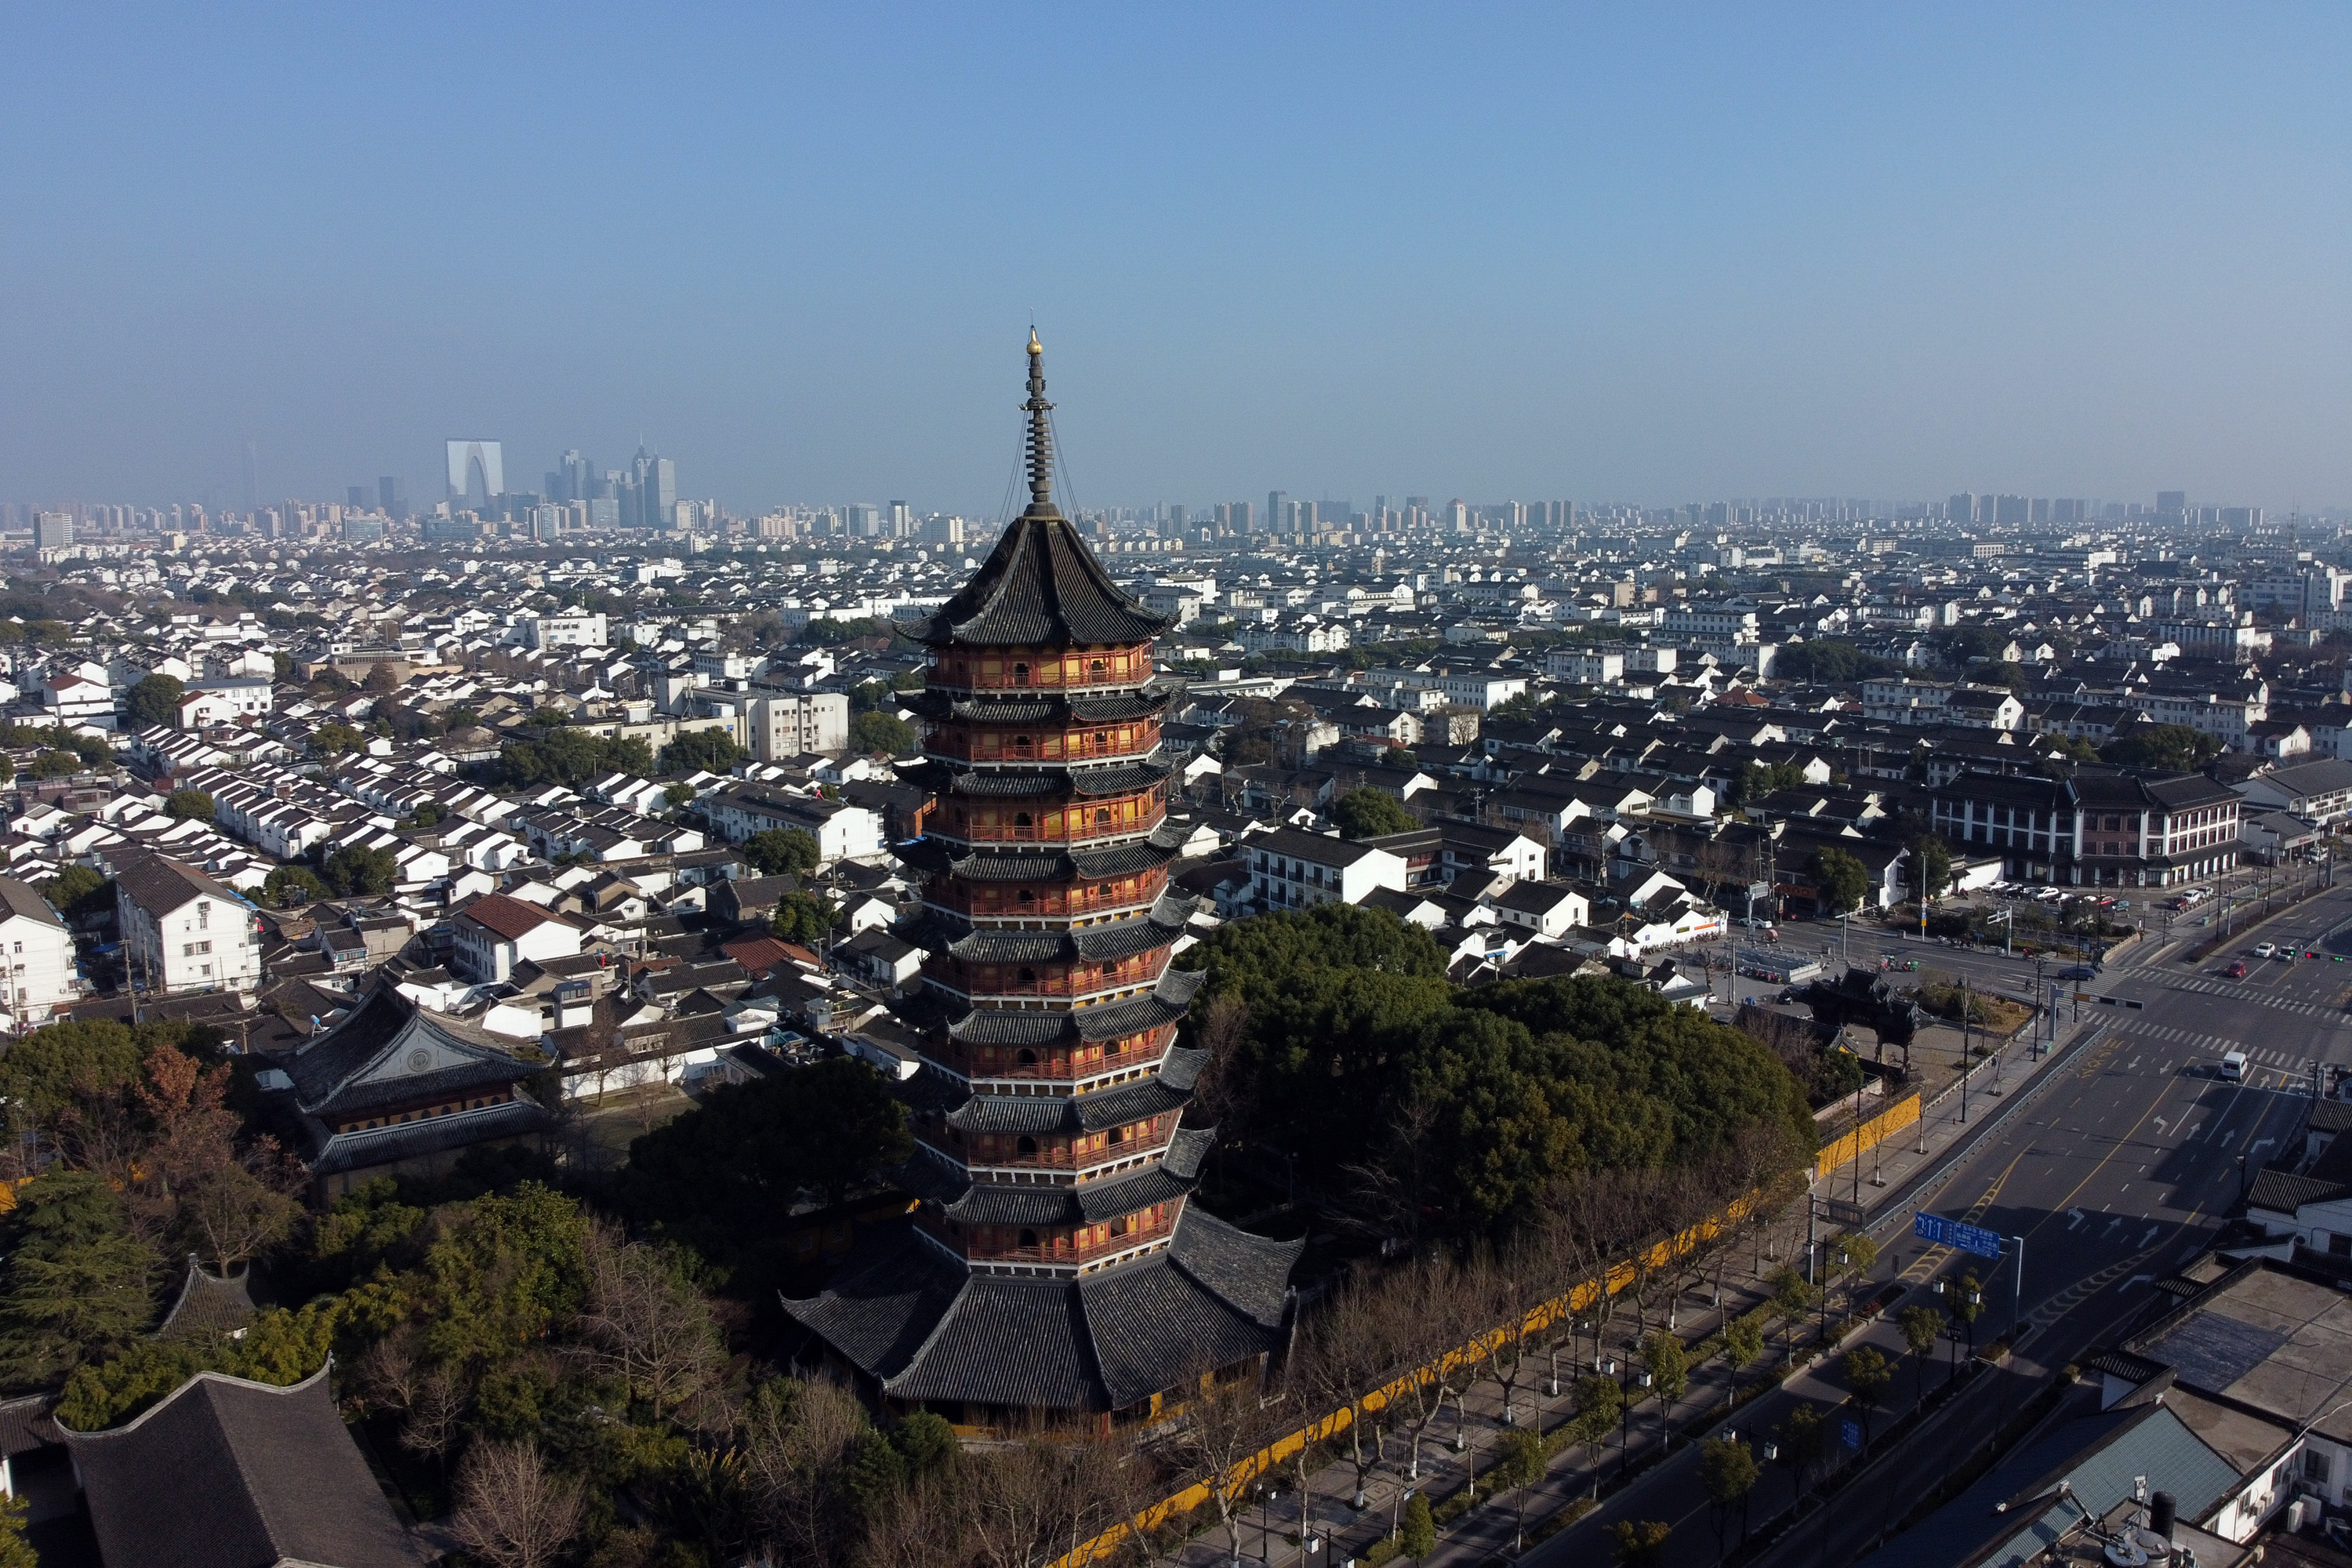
x=1853, y=1433
x=1952, y=1233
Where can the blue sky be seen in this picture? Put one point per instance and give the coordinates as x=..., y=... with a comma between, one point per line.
x=1650, y=253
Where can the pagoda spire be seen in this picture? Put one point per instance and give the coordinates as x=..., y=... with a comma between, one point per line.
x=1041, y=434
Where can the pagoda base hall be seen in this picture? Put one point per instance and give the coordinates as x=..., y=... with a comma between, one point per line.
x=1054, y=1271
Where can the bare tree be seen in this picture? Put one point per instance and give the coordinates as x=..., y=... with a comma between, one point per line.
x=240, y=1206
x=1435, y=1305
x=384, y=1376
x=512, y=1511
x=435, y=1406
x=1225, y=1427
x=1348, y=1350
x=643, y=1325
x=926, y=1525
x=794, y=1438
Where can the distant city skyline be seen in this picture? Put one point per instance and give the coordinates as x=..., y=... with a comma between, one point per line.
x=2089, y=251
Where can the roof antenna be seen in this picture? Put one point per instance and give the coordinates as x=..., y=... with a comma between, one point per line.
x=1041, y=436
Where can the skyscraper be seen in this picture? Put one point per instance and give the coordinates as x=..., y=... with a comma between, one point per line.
x=1055, y=1265
x=477, y=470
x=393, y=497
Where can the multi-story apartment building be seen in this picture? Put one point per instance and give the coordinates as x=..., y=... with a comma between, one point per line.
x=37, y=957
x=2098, y=829
x=1290, y=869
x=184, y=931
x=789, y=724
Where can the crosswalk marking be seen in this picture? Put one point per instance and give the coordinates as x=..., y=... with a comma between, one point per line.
x=2205, y=988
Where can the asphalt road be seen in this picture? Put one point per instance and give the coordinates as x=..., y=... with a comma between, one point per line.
x=2114, y=1172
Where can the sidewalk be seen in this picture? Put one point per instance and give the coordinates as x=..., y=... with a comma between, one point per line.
x=1893, y=1176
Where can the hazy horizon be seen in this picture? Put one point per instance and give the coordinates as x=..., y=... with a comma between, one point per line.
x=1644, y=255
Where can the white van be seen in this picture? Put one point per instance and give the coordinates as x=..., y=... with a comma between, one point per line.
x=2233, y=1067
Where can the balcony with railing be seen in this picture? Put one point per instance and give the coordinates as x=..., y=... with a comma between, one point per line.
x=1042, y=669
x=1058, y=1065
x=1057, y=1153
x=1125, y=816
x=1080, y=983
x=1000, y=900
x=974, y=744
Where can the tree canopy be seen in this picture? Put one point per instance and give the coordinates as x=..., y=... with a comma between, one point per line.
x=290, y=887
x=879, y=732
x=804, y=917
x=2165, y=748
x=702, y=750
x=1357, y=1045
x=356, y=869
x=774, y=850
x=189, y=805
x=79, y=889
x=738, y=1159
x=1842, y=880
x=570, y=756
x=154, y=700
x=1929, y=868
x=1829, y=660
x=1367, y=812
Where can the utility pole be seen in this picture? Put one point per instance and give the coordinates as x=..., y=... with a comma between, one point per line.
x=1964, y=1049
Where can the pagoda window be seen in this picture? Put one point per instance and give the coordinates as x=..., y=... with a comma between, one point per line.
x=1021, y=823
x=1102, y=819
x=1026, y=977
x=1027, y=1058
x=1020, y=675
x=1025, y=1145
x=1028, y=1239
x=1097, y=671
x=1021, y=745
x=1027, y=897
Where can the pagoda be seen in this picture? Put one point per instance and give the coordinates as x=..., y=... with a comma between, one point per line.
x=1054, y=1267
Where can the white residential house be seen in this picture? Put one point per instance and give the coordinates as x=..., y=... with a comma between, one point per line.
x=570, y=628
x=224, y=701
x=76, y=699
x=1290, y=869
x=37, y=957
x=2318, y=791
x=1545, y=909
x=1481, y=690
x=181, y=930
x=1586, y=665
x=494, y=933
x=843, y=832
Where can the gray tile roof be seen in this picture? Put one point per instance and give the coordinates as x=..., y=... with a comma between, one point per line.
x=20, y=898
x=1107, y=1021
x=908, y=1316
x=332, y=1072
x=229, y=1474
x=209, y=1306
x=1040, y=587
x=160, y=885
